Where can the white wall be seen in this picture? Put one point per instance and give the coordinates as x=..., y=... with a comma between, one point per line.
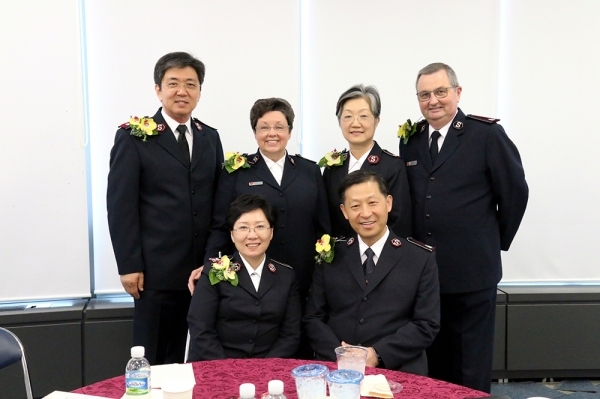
x=251, y=51
x=549, y=82
x=43, y=198
x=530, y=63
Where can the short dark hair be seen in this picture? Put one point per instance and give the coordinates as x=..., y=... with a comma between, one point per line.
x=247, y=203
x=359, y=177
x=265, y=105
x=178, y=60
x=438, y=66
x=368, y=93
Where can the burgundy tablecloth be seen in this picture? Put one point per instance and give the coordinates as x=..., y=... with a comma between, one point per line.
x=220, y=379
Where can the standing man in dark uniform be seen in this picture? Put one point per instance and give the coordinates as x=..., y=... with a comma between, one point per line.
x=380, y=291
x=161, y=185
x=469, y=195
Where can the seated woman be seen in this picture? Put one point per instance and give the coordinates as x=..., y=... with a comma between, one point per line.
x=247, y=305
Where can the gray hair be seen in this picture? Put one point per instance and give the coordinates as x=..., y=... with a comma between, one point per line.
x=368, y=93
x=438, y=66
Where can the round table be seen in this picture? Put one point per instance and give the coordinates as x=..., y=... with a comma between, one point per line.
x=220, y=379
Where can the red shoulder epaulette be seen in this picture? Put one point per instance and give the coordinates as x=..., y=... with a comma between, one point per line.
x=301, y=157
x=198, y=122
x=420, y=244
x=483, y=118
x=391, y=154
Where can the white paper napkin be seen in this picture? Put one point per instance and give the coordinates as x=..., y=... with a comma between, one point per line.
x=170, y=372
x=69, y=395
x=376, y=386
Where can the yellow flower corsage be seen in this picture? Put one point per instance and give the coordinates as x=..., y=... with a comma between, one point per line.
x=325, y=250
x=223, y=270
x=333, y=158
x=142, y=127
x=406, y=130
x=234, y=161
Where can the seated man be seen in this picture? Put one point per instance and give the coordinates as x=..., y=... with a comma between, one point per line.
x=380, y=291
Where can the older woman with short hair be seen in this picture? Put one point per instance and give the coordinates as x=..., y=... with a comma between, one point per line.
x=357, y=111
x=291, y=183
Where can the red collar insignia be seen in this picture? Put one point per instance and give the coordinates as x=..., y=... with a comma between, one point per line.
x=237, y=267
x=198, y=125
x=350, y=241
x=160, y=127
x=373, y=159
x=396, y=242
x=271, y=267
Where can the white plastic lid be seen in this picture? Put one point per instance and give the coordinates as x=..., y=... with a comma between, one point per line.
x=138, y=351
x=275, y=387
x=247, y=390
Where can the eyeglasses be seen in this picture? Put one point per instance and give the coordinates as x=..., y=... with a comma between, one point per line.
x=267, y=129
x=351, y=118
x=245, y=230
x=174, y=86
x=438, y=93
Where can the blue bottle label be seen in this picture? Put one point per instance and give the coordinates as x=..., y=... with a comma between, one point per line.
x=137, y=383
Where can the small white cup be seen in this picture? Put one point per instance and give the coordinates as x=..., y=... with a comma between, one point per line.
x=177, y=390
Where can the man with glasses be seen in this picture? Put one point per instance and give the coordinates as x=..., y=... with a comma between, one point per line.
x=161, y=184
x=469, y=195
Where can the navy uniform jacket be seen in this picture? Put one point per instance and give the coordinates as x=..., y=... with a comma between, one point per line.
x=159, y=210
x=397, y=312
x=237, y=322
x=300, y=202
x=469, y=204
x=393, y=170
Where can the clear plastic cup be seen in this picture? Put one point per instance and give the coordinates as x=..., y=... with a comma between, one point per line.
x=351, y=358
x=344, y=384
x=310, y=381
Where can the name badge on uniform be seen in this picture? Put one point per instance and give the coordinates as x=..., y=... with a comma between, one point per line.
x=255, y=183
x=411, y=163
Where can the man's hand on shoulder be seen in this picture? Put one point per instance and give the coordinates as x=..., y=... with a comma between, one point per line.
x=194, y=279
x=133, y=283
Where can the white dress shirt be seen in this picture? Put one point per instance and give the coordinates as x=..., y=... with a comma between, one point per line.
x=173, y=125
x=443, y=132
x=276, y=168
x=377, y=247
x=355, y=164
x=254, y=274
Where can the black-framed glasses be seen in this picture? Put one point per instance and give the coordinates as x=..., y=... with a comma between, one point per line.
x=440, y=92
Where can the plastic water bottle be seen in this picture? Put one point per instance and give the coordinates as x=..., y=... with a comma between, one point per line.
x=247, y=391
x=276, y=390
x=137, y=373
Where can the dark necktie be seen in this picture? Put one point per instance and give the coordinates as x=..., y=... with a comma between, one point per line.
x=183, y=142
x=369, y=264
x=433, y=148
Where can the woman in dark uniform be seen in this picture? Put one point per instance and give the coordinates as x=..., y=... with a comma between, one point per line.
x=247, y=305
x=292, y=184
x=358, y=110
